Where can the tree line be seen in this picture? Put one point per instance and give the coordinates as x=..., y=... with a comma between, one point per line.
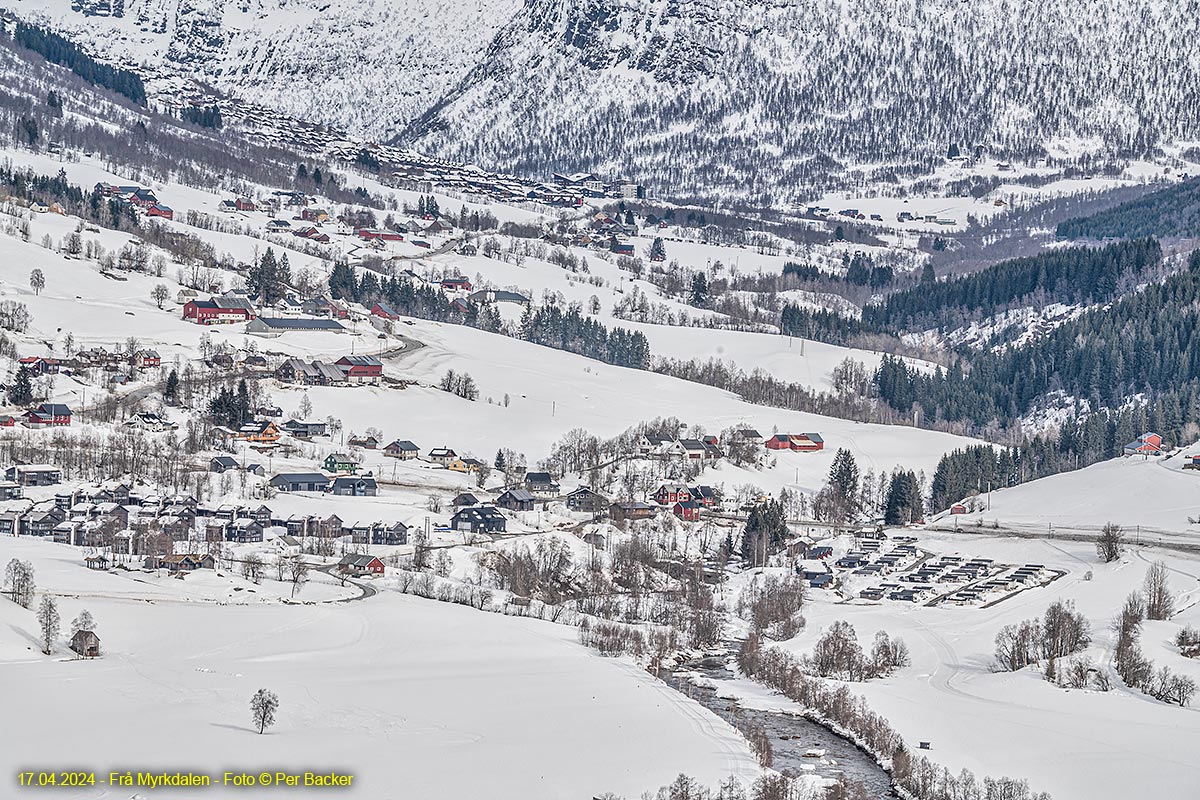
x=57, y=50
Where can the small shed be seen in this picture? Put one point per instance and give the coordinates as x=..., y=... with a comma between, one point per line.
x=86, y=644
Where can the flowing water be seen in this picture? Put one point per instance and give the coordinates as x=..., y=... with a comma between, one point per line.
x=799, y=745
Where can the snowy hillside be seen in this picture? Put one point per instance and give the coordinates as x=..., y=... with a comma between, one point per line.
x=366, y=67
x=760, y=102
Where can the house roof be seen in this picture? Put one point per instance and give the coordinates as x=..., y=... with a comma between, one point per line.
x=538, y=477
x=358, y=560
x=520, y=495
x=52, y=410
x=224, y=461
x=402, y=444
x=351, y=480
x=361, y=361
x=299, y=477
x=294, y=324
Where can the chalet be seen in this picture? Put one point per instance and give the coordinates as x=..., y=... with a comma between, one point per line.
x=464, y=499
x=385, y=311
x=227, y=206
x=258, y=431
x=361, y=369
x=456, y=284
x=584, y=499
x=749, y=435
x=304, y=430
x=705, y=496
x=186, y=562
x=389, y=535
x=86, y=643
x=443, y=455
x=268, y=411
x=470, y=465
x=244, y=530
x=221, y=464
x=354, y=486
x=631, y=509
x=218, y=311
x=478, y=519
x=340, y=462
x=48, y=415
x=275, y=325
x=278, y=225
x=365, y=442
x=33, y=474
x=11, y=490
x=300, y=482
x=402, y=449
x=1148, y=444
x=359, y=565
x=153, y=423
x=688, y=511
x=516, y=500
x=670, y=493
x=693, y=449
x=541, y=484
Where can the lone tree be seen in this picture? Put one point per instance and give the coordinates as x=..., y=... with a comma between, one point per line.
x=18, y=578
x=48, y=621
x=159, y=294
x=262, y=709
x=171, y=389
x=21, y=391
x=297, y=573
x=1159, y=602
x=37, y=281
x=1111, y=543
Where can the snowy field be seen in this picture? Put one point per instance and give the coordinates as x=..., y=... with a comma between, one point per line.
x=413, y=697
x=1068, y=742
x=1154, y=497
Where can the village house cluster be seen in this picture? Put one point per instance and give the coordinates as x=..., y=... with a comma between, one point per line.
x=138, y=197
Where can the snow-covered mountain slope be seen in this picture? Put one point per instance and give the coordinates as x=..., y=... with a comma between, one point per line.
x=755, y=100
x=365, y=66
x=750, y=99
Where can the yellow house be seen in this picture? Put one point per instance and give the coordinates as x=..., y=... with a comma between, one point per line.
x=265, y=432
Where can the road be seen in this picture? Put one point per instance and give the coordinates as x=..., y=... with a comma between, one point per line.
x=364, y=590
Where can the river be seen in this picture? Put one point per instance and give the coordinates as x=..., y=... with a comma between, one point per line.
x=799, y=745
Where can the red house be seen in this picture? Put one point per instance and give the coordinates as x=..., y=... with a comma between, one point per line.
x=385, y=311
x=216, y=312
x=48, y=415
x=159, y=210
x=958, y=508
x=1148, y=444
x=361, y=369
x=245, y=204
x=686, y=511
x=37, y=365
x=8, y=421
x=361, y=565
x=780, y=441
x=670, y=493
x=456, y=284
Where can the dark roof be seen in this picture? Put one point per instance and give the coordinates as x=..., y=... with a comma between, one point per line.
x=357, y=560
x=538, y=477
x=291, y=324
x=520, y=495
x=224, y=461
x=402, y=444
x=300, y=477
x=53, y=409
x=361, y=361
x=350, y=480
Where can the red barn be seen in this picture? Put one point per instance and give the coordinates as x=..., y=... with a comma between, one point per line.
x=1148, y=444
x=159, y=210
x=780, y=441
x=215, y=312
x=807, y=442
x=385, y=311
x=361, y=369
x=361, y=565
x=687, y=511
x=457, y=284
